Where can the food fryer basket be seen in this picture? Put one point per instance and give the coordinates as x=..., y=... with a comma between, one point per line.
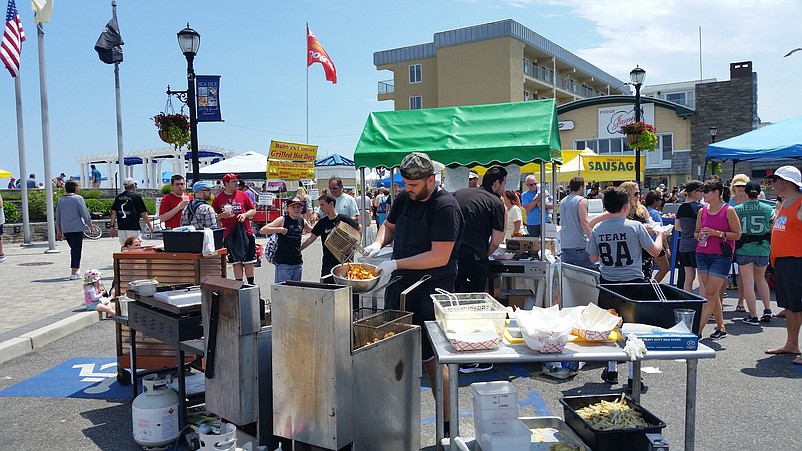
x=344, y=242
x=377, y=325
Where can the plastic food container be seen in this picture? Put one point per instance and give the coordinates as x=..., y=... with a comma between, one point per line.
x=145, y=287
x=638, y=303
x=494, y=395
x=465, y=313
x=503, y=435
x=613, y=440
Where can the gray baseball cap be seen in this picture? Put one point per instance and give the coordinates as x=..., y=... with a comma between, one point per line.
x=129, y=182
x=418, y=165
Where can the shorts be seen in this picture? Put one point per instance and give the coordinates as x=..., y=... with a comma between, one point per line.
x=788, y=284
x=578, y=257
x=92, y=306
x=717, y=265
x=250, y=255
x=419, y=303
x=760, y=262
x=123, y=235
x=687, y=259
x=1, y=229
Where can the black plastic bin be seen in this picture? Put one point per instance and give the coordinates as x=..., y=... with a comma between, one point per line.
x=631, y=439
x=638, y=303
x=189, y=241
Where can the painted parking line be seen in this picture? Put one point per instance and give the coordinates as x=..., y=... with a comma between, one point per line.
x=82, y=377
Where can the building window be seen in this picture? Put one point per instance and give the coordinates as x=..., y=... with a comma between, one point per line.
x=414, y=73
x=666, y=145
x=415, y=102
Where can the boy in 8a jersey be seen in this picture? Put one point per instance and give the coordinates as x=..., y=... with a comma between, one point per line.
x=616, y=242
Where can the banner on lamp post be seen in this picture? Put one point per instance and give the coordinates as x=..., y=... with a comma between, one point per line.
x=208, y=98
x=280, y=150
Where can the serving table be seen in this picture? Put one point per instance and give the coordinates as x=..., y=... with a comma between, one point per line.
x=445, y=354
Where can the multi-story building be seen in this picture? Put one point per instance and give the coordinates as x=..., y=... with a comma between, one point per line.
x=490, y=63
x=506, y=62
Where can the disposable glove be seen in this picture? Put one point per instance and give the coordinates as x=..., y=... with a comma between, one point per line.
x=635, y=348
x=387, y=268
x=372, y=250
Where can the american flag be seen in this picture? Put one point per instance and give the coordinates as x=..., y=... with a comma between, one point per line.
x=12, y=40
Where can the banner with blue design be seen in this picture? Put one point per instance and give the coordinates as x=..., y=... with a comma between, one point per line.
x=208, y=98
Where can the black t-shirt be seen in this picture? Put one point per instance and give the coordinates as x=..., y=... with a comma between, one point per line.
x=686, y=215
x=289, y=245
x=129, y=207
x=437, y=219
x=482, y=212
x=322, y=229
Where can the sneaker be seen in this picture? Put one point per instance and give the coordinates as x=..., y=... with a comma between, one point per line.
x=712, y=319
x=467, y=368
x=751, y=320
x=718, y=335
x=75, y=276
x=643, y=387
x=611, y=377
x=2, y=258
x=766, y=318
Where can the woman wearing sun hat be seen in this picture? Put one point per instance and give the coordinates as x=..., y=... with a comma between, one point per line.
x=786, y=255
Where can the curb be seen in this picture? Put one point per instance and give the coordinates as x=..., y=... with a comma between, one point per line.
x=35, y=339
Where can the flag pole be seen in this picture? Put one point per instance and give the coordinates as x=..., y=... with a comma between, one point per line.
x=307, y=82
x=51, y=226
x=120, y=151
x=26, y=224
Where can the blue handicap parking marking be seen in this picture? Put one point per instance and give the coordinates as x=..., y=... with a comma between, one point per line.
x=499, y=372
x=82, y=377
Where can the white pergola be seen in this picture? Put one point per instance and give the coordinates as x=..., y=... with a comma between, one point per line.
x=151, y=162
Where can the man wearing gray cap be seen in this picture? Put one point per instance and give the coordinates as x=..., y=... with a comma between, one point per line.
x=425, y=226
x=126, y=211
x=198, y=212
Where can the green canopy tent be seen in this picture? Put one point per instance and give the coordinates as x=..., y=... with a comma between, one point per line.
x=502, y=133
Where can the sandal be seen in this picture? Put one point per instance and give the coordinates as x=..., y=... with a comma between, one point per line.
x=740, y=309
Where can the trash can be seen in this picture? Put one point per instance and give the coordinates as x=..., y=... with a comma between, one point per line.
x=639, y=303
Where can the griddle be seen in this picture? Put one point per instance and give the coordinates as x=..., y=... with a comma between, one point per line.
x=180, y=301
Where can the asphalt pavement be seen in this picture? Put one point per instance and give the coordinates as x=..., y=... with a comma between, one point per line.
x=746, y=399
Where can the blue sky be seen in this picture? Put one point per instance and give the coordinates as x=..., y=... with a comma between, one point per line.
x=258, y=47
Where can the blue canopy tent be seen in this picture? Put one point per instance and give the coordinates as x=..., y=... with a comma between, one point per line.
x=779, y=141
x=386, y=181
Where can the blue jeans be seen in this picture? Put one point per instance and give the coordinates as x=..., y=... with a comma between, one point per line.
x=288, y=272
x=578, y=257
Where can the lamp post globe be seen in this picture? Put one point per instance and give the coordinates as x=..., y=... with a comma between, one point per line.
x=713, y=133
x=189, y=41
x=636, y=76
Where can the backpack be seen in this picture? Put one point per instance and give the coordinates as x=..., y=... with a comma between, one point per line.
x=383, y=205
x=271, y=247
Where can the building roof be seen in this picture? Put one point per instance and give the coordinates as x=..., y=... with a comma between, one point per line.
x=334, y=160
x=487, y=31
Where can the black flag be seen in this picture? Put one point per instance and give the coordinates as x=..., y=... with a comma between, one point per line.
x=109, y=44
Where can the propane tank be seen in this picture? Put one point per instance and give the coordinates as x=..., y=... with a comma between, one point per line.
x=155, y=413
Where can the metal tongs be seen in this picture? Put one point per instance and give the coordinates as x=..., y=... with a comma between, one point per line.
x=658, y=290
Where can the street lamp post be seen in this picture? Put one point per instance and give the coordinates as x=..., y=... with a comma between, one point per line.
x=636, y=76
x=713, y=165
x=189, y=41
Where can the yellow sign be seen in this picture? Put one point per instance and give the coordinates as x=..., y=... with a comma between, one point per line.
x=290, y=170
x=280, y=150
x=610, y=164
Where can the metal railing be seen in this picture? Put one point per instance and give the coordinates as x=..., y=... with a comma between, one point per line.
x=386, y=87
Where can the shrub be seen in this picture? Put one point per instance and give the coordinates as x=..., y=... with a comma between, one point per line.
x=37, y=211
x=167, y=189
x=91, y=193
x=11, y=211
x=150, y=204
x=102, y=206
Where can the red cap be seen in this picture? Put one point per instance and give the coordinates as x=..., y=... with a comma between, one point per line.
x=229, y=176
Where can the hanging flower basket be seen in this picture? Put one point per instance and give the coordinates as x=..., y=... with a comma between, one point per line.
x=640, y=136
x=173, y=129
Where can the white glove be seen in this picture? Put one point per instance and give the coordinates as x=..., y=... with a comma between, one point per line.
x=635, y=348
x=387, y=268
x=372, y=250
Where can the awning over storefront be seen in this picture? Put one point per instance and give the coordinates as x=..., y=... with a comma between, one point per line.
x=505, y=133
x=601, y=168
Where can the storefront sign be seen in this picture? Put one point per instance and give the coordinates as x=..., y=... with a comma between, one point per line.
x=280, y=150
x=611, y=164
x=208, y=100
x=611, y=119
x=290, y=170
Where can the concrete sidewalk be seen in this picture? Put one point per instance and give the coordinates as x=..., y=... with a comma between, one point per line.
x=41, y=305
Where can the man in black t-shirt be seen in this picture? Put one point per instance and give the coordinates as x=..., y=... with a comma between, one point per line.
x=425, y=226
x=126, y=211
x=484, y=216
x=323, y=227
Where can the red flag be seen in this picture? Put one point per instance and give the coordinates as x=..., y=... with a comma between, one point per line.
x=12, y=40
x=316, y=54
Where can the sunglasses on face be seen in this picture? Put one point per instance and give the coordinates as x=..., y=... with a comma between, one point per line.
x=707, y=190
x=334, y=188
x=532, y=184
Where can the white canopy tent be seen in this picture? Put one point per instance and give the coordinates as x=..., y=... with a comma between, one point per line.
x=249, y=165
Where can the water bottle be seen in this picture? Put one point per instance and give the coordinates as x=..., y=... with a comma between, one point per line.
x=703, y=240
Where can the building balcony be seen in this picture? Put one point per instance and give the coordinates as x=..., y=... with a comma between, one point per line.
x=386, y=90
